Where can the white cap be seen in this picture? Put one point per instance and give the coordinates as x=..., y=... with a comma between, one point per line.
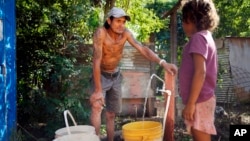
x=117, y=13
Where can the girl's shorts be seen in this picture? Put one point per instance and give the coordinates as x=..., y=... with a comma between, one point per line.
x=203, y=117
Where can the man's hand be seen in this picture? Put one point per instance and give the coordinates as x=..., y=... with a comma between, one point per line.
x=97, y=99
x=170, y=68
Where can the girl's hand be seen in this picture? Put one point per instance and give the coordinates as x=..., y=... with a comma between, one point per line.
x=188, y=112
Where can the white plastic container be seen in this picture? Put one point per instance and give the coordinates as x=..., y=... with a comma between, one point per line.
x=76, y=129
x=78, y=137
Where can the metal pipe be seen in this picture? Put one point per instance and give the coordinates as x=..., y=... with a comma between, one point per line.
x=168, y=92
x=154, y=75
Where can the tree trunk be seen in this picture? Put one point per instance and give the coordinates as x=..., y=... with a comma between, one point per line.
x=97, y=2
x=109, y=4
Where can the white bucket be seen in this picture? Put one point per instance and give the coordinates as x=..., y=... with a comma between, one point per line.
x=79, y=129
x=76, y=129
x=78, y=137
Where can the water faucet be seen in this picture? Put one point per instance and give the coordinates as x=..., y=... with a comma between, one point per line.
x=168, y=92
x=163, y=91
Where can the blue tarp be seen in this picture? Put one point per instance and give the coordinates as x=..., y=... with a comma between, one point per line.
x=7, y=69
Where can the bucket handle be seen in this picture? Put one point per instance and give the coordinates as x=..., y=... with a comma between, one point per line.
x=66, y=120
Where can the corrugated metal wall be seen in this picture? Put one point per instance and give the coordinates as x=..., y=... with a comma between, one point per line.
x=133, y=60
x=224, y=89
x=239, y=56
x=233, y=57
x=136, y=71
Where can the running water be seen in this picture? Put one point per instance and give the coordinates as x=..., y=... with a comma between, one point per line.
x=146, y=99
x=147, y=91
x=168, y=92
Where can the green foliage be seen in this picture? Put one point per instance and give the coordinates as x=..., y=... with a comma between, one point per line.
x=162, y=38
x=17, y=135
x=234, y=18
x=221, y=71
x=52, y=74
x=143, y=20
x=54, y=62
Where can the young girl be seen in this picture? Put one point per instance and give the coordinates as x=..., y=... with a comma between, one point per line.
x=198, y=70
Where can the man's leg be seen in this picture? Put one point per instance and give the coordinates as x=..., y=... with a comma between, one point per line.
x=95, y=116
x=110, y=119
x=96, y=107
x=113, y=101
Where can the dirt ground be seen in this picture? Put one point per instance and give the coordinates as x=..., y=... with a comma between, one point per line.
x=225, y=115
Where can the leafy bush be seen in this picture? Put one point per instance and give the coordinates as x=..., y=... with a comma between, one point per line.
x=53, y=62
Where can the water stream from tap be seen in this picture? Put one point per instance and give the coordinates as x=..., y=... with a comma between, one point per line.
x=146, y=99
x=147, y=91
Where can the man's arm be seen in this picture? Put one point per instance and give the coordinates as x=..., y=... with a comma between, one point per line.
x=149, y=54
x=97, y=57
x=145, y=51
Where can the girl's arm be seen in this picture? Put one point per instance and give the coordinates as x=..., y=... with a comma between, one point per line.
x=197, y=83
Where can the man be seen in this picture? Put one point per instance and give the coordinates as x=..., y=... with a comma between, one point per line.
x=108, y=45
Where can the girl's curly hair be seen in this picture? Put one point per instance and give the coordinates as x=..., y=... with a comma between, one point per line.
x=202, y=13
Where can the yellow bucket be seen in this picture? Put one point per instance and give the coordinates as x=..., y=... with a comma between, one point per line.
x=142, y=131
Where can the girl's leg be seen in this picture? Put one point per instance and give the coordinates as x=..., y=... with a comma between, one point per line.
x=200, y=136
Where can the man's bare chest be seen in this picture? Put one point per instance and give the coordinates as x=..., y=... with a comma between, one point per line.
x=110, y=47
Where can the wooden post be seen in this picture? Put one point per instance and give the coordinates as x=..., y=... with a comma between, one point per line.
x=170, y=79
x=169, y=125
x=173, y=37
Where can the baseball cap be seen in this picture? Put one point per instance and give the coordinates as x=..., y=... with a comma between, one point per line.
x=117, y=13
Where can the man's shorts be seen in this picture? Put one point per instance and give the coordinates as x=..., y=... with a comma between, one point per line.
x=203, y=117
x=111, y=89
